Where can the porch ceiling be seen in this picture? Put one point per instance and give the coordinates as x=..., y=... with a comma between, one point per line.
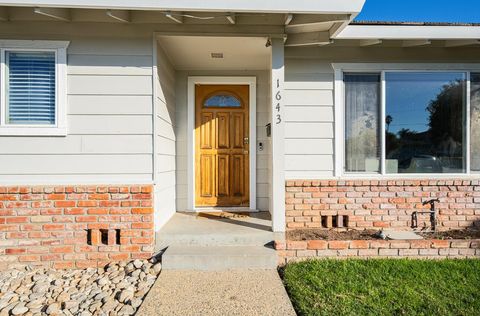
x=195, y=52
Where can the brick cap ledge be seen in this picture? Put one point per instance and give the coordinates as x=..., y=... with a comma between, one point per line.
x=398, y=182
x=376, y=244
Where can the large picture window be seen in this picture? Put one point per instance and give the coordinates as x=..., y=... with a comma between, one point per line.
x=411, y=122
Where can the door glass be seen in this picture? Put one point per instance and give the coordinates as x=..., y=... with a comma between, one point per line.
x=222, y=101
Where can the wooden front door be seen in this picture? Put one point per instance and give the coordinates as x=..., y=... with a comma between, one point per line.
x=221, y=145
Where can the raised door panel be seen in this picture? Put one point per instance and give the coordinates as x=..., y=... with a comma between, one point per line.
x=206, y=175
x=223, y=176
x=238, y=175
x=206, y=129
x=238, y=130
x=223, y=130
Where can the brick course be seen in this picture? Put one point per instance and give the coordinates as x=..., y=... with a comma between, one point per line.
x=375, y=204
x=420, y=249
x=75, y=226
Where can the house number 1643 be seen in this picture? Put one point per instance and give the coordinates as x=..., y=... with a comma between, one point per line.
x=278, y=97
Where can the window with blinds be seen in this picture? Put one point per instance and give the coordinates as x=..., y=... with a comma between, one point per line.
x=30, y=87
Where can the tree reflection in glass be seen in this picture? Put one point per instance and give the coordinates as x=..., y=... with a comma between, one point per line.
x=425, y=132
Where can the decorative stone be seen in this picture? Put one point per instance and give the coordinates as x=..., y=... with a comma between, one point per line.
x=137, y=263
x=20, y=309
x=118, y=289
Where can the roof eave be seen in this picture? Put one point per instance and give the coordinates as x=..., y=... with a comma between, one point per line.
x=406, y=32
x=264, y=6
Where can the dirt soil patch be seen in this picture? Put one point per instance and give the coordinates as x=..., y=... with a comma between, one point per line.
x=369, y=234
x=330, y=234
x=453, y=234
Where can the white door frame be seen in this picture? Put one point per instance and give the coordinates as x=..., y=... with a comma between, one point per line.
x=252, y=83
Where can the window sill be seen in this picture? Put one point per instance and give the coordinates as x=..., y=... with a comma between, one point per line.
x=33, y=131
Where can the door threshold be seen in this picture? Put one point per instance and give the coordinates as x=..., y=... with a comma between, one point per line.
x=231, y=209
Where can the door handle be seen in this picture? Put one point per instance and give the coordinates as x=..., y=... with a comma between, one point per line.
x=245, y=140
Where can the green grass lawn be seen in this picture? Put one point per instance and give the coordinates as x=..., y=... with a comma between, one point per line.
x=384, y=287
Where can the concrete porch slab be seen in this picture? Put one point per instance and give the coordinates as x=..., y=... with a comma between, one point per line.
x=217, y=229
x=402, y=235
x=233, y=292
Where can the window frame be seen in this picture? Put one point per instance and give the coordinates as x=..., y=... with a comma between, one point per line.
x=59, y=48
x=339, y=108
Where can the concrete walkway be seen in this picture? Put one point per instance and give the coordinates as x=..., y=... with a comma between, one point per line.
x=233, y=292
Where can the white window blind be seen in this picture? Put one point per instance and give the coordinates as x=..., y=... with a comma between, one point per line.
x=30, y=84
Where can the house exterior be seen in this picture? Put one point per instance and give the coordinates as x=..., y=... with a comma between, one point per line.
x=114, y=115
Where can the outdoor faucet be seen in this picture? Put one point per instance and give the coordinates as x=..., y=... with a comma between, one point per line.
x=432, y=213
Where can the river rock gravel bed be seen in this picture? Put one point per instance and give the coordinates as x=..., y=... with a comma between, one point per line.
x=117, y=289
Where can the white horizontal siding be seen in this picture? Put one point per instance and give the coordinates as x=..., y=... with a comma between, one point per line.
x=85, y=178
x=110, y=104
x=308, y=97
x=303, y=146
x=78, y=145
x=308, y=130
x=165, y=139
x=109, y=85
x=303, y=162
x=110, y=124
x=109, y=107
x=115, y=65
x=111, y=46
x=76, y=164
x=309, y=113
x=309, y=116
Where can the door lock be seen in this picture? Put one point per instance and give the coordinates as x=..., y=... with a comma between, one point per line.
x=245, y=140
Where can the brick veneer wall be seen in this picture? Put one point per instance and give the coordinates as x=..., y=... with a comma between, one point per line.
x=75, y=226
x=421, y=249
x=382, y=204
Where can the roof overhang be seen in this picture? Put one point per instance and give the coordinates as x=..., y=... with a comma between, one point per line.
x=261, y=6
x=409, y=32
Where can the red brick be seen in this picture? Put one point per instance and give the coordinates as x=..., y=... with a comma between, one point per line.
x=17, y=219
x=55, y=197
x=296, y=245
x=112, y=237
x=74, y=211
x=146, y=189
x=143, y=210
x=100, y=196
x=62, y=249
x=440, y=243
x=119, y=256
x=97, y=211
x=53, y=226
x=141, y=240
x=64, y=265
x=83, y=219
x=14, y=251
x=317, y=244
x=359, y=244
x=147, y=225
x=87, y=203
x=65, y=203
x=337, y=244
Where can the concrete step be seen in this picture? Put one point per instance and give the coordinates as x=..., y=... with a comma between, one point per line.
x=217, y=258
x=253, y=238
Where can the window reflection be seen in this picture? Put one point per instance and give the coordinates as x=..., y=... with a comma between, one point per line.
x=424, y=122
x=475, y=121
x=362, y=111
